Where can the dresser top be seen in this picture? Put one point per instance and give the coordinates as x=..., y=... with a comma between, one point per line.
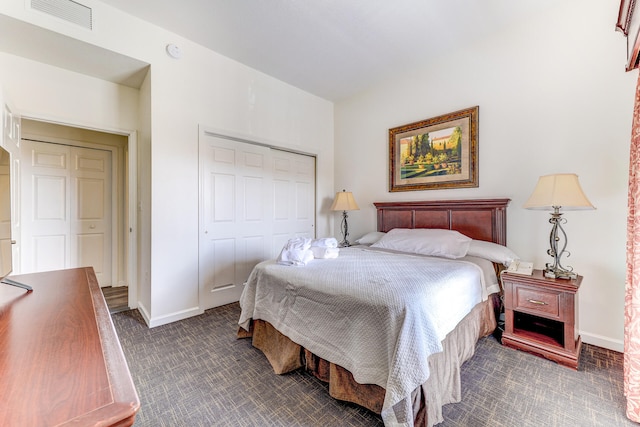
x=60, y=358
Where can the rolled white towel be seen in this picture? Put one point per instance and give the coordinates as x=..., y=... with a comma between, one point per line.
x=325, y=242
x=296, y=252
x=301, y=243
x=294, y=257
x=324, y=253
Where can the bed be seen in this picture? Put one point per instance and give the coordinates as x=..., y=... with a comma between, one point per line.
x=365, y=323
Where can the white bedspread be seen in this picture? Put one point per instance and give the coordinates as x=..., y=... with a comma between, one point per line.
x=378, y=314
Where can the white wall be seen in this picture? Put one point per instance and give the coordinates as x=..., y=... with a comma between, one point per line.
x=553, y=97
x=202, y=88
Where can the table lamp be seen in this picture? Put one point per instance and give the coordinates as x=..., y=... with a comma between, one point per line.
x=553, y=193
x=344, y=202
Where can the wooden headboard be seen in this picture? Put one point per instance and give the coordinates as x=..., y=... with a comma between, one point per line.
x=480, y=219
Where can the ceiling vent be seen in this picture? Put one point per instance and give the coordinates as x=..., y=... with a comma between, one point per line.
x=68, y=10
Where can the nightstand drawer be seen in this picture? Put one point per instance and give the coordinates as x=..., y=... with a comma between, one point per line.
x=537, y=301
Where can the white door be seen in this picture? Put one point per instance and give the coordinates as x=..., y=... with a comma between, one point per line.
x=236, y=216
x=66, y=205
x=10, y=140
x=91, y=222
x=253, y=198
x=293, y=198
x=5, y=213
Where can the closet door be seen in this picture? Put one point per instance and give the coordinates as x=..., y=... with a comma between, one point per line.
x=66, y=202
x=236, y=222
x=252, y=199
x=91, y=212
x=46, y=205
x=293, y=198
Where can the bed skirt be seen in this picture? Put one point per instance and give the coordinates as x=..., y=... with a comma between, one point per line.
x=442, y=387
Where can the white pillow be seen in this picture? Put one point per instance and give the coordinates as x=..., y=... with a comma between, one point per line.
x=426, y=241
x=492, y=251
x=370, y=238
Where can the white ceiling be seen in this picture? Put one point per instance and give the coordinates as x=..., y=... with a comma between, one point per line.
x=333, y=48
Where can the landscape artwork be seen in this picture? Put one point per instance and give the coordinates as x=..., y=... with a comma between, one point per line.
x=436, y=153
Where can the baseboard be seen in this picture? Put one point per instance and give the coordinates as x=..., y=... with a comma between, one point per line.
x=173, y=317
x=144, y=313
x=602, y=341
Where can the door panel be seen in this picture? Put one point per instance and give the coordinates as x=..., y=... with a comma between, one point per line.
x=293, y=192
x=91, y=193
x=234, y=220
x=90, y=249
x=49, y=252
x=66, y=201
x=223, y=264
x=45, y=204
x=91, y=212
x=50, y=198
x=252, y=201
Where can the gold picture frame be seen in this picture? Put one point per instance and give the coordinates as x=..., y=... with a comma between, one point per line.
x=436, y=153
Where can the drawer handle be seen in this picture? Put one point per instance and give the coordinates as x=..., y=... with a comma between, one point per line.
x=533, y=301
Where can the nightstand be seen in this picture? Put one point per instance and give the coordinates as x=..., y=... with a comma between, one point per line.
x=541, y=316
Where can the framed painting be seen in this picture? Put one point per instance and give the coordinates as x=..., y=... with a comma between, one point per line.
x=436, y=153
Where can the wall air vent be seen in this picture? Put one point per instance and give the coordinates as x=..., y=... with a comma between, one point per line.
x=68, y=10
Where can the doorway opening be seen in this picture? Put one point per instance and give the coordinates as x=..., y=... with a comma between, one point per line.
x=77, y=197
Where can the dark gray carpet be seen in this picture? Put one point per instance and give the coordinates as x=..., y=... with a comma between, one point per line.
x=196, y=373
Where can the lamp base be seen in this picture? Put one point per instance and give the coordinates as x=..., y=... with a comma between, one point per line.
x=556, y=270
x=345, y=231
x=556, y=273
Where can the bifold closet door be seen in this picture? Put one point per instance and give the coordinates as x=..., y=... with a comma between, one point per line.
x=66, y=208
x=251, y=198
x=293, y=198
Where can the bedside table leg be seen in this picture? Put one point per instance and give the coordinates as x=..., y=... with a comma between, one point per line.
x=508, y=321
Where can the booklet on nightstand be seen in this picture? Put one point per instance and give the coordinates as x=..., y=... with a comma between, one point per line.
x=521, y=267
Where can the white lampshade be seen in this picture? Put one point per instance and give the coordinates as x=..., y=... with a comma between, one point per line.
x=559, y=190
x=344, y=201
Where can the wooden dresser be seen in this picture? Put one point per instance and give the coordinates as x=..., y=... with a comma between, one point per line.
x=60, y=359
